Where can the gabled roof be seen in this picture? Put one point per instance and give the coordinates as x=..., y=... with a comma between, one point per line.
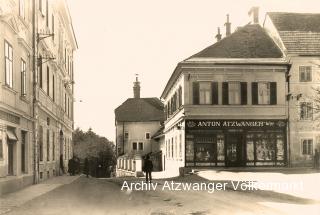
x=296, y=21
x=250, y=41
x=299, y=32
x=140, y=110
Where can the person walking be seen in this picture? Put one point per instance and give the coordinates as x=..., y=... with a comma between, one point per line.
x=316, y=159
x=148, y=167
x=86, y=167
x=61, y=164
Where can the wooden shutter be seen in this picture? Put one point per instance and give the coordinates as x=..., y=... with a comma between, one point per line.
x=254, y=93
x=225, y=93
x=214, y=93
x=195, y=93
x=244, y=99
x=273, y=93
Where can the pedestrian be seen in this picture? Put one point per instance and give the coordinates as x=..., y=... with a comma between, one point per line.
x=71, y=166
x=148, y=167
x=316, y=159
x=61, y=164
x=86, y=167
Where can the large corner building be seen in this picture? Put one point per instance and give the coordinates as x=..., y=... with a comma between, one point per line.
x=36, y=90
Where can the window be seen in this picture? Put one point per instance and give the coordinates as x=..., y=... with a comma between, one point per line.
x=180, y=145
x=48, y=81
x=134, y=146
x=264, y=93
x=126, y=135
x=180, y=96
x=307, y=147
x=22, y=8
x=48, y=145
x=1, y=149
x=147, y=135
x=53, y=147
x=52, y=26
x=47, y=13
x=53, y=90
x=40, y=71
x=23, y=78
x=23, y=151
x=205, y=92
x=172, y=147
x=140, y=146
x=234, y=92
x=305, y=110
x=40, y=143
x=8, y=64
x=65, y=102
x=305, y=73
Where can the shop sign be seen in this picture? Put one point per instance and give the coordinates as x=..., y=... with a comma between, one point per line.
x=203, y=124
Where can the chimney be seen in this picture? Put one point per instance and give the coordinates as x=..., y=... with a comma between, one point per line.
x=136, y=88
x=218, y=36
x=228, y=26
x=254, y=15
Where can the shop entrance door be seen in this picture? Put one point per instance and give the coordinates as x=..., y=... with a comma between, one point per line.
x=234, y=150
x=10, y=158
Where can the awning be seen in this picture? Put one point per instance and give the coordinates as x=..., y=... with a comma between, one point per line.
x=11, y=135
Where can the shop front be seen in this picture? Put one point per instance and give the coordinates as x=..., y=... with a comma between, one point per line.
x=235, y=143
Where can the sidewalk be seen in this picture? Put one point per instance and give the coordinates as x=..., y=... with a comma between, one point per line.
x=299, y=182
x=16, y=199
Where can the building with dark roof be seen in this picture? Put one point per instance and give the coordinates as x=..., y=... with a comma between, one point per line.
x=298, y=36
x=136, y=121
x=226, y=105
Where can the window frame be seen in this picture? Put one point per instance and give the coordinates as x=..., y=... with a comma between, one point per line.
x=206, y=98
x=140, y=144
x=9, y=60
x=135, y=146
x=305, y=114
x=147, y=134
x=305, y=72
x=23, y=77
x=234, y=92
x=309, y=150
x=268, y=96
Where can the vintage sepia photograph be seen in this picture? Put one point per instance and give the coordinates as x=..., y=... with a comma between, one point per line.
x=159, y=107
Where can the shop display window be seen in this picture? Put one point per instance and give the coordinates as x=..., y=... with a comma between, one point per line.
x=189, y=150
x=220, y=147
x=250, y=147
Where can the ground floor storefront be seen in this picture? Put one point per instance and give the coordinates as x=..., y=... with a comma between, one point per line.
x=233, y=143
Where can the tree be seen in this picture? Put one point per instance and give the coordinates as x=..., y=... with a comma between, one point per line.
x=97, y=148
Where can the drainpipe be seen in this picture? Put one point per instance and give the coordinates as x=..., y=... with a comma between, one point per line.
x=288, y=126
x=35, y=100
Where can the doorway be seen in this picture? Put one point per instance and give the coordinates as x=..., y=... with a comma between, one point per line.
x=10, y=158
x=234, y=150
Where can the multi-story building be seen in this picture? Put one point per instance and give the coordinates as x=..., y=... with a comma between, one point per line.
x=136, y=121
x=298, y=35
x=226, y=105
x=36, y=93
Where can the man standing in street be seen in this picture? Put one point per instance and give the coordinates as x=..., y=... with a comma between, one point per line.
x=148, y=167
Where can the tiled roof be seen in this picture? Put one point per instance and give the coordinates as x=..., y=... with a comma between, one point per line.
x=140, y=110
x=299, y=32
x=295, y=21
x=250, y=41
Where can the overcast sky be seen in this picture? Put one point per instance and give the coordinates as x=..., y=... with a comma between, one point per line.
x=120, y=38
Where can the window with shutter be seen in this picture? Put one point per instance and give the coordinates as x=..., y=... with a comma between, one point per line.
x=225, y=92
x=273, y=93
x=214, y=92
x=195, y=93
x=205, y=92
x=244, y=93
x=234, y=93
x=254, y=93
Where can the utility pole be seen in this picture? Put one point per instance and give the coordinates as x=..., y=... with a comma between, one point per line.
x=35, y=95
